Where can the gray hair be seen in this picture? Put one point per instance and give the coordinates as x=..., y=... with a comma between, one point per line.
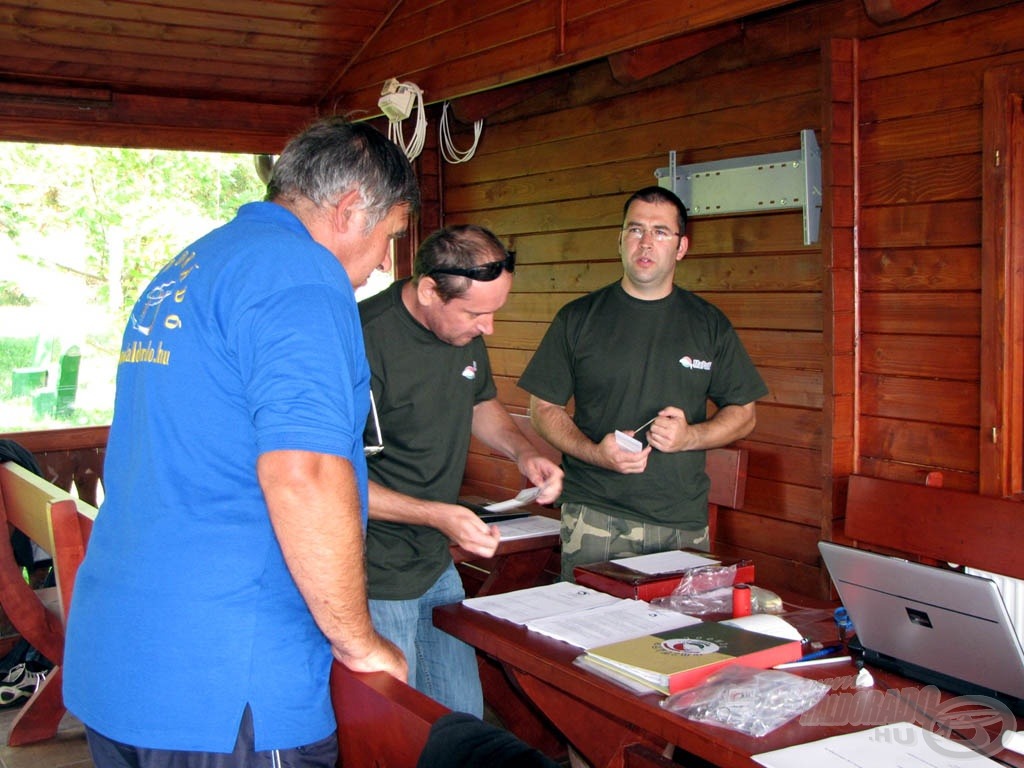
x=333, y=156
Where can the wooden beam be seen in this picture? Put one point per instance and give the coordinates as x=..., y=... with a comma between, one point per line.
x=888, y=11
x=638, y=63
x=469, y=109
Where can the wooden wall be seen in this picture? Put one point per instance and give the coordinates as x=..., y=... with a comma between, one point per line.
x=857, y=335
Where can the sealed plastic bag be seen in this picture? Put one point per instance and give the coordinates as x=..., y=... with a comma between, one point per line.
x=751, y=701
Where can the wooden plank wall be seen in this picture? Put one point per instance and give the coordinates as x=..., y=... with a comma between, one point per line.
x=921, y=215
x=550, y=177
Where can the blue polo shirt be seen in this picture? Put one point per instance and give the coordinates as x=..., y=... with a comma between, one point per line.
x=184, y=611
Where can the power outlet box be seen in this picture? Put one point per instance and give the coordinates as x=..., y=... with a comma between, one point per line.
x=398, y=105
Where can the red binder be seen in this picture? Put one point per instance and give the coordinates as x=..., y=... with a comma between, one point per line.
x=621, y=581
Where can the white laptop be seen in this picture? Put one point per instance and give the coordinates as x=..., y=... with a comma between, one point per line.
x=932, y=624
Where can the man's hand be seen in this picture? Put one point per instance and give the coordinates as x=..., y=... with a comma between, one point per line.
x=544, y=474
x=610, y=455
x=465, y=528
x=381, y=656
x=670, y=431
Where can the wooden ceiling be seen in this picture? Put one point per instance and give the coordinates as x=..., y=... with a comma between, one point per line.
x=244, y=74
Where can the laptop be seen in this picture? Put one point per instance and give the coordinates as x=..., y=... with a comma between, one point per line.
x=930, y=624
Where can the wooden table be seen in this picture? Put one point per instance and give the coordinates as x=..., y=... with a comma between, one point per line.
x=607, y=723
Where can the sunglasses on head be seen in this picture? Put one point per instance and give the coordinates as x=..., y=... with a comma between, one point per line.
x=482, y=272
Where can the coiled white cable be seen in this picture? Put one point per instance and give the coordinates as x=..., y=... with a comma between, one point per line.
x=448, y=149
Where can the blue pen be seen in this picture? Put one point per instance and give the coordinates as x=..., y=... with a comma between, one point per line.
x=822, y=653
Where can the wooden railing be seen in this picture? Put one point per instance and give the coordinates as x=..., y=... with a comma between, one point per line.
x=68, y=457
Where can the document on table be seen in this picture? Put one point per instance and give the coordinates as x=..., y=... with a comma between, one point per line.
x=527, y=527
x=523, y=605
x=610, y=623
x=900, y=745
x=664, y=562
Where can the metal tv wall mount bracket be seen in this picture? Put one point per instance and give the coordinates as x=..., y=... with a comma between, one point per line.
x=779, y=181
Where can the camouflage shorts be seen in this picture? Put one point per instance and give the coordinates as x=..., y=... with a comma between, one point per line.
x=589, y=536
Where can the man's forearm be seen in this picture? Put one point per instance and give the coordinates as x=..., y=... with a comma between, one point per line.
x=315, y=511
x=555, y=425
x=729, y=424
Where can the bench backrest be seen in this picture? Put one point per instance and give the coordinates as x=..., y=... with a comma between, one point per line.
x=381, y=721
x=49, y=516
x=935, y=523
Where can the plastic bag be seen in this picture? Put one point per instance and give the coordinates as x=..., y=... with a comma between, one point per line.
x=751, y=701
x=708, y=589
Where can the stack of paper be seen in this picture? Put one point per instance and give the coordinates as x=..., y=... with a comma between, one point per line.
x=577, y=615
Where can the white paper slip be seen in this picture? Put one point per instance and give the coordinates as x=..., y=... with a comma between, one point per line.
x=628, y=443
x=664, y=562
x=527, y=527
x=610, y=623
x=766, y=624
x=900, y=745
x=524, y=605
x=522, y=498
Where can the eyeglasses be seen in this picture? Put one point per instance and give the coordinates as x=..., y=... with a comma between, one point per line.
x=373, y=450
x=660, y=234
x=482, y=272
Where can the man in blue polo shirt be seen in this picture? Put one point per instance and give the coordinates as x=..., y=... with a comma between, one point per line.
x=225, y=569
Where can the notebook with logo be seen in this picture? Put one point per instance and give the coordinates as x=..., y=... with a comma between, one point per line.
x=931, y=624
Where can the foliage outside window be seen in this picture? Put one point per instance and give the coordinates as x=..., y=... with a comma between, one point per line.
x=82, y=229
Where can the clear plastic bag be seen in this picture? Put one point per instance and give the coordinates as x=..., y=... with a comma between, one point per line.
x=751, y=701
x=708, y=589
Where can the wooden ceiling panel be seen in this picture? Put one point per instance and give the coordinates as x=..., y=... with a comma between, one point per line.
x=299, y=58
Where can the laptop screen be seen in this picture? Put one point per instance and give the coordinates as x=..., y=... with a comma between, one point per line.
x=932, y=618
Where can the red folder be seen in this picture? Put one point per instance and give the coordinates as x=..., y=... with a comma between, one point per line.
x=621, y=581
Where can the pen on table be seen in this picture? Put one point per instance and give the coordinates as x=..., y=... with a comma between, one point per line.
x=812, y=662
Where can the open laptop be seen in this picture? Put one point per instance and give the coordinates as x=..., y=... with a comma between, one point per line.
x=938, y=626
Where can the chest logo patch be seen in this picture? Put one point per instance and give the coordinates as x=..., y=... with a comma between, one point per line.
x=696, y=365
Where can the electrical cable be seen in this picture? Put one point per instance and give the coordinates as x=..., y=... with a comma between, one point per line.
x=448, y=149
x=415, y=145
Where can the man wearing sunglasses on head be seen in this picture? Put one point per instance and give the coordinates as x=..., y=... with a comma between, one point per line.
x=641, y=357
x=432, y=386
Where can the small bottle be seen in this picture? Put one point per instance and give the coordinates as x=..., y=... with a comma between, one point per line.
x=740, y=600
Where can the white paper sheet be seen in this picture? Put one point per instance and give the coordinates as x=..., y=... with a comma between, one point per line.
x=664, y=562
x=609, y=623
x=527, y=527
x=901, y=745
x=522, y=498
x=524, y=605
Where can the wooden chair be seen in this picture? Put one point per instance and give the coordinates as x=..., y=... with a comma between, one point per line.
x=60, y=525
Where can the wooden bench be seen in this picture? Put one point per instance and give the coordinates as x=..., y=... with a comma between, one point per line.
x=61, y=525
x=381, y=722
x=935, y=524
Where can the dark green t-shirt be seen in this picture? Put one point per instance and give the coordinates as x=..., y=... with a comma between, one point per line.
x=623, y=360
x=425, y=390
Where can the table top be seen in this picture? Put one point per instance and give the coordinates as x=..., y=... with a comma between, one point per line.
x=601, y=717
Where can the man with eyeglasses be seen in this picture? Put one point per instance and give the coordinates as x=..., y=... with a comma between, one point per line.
x=640, y=357
x=432, y=385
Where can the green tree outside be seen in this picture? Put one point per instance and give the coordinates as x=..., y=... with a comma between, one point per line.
x=82, y=229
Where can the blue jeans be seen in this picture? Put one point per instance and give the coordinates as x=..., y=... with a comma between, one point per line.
x=440, y=665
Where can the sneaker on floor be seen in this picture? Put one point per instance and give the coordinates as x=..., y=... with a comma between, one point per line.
x=18, y=685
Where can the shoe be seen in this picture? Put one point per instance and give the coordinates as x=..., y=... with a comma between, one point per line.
x=19, y=684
